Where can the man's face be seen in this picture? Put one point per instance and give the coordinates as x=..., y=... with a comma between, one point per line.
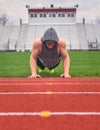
x=50, y=44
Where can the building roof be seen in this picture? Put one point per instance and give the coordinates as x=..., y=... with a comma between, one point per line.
x=52, y=9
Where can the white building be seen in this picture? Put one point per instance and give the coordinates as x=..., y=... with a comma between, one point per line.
x=62, y=19
x=52, y=16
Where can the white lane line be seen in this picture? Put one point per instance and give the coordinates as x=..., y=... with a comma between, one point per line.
x=42, y=84
x=49, y=93
x=48, y=113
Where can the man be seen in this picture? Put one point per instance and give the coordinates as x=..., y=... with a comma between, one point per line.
x=47, y=52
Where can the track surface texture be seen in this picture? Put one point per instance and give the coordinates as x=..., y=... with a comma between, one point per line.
x=50, y=104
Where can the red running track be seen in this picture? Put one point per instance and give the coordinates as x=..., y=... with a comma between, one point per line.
x=50, y=104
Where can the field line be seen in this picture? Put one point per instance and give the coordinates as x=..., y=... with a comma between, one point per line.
x=48, y=113
x=49, y=93
x=46, y=83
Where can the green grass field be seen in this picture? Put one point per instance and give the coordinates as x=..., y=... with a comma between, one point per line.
x=83, y=64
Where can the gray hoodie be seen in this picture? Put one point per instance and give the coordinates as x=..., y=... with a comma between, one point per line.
x=49, y=57
x=50, y=34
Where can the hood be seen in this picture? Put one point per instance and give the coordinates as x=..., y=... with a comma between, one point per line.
x=50, y=34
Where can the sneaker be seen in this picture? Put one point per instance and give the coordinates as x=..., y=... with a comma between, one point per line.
x=40, y=70
x=51, y=71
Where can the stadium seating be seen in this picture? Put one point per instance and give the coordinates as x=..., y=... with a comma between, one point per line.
x=77, y=36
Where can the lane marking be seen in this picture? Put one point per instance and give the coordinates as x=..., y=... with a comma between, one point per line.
x=29, y=84
x=45, y=114
x=49, y=93
x=48, y=113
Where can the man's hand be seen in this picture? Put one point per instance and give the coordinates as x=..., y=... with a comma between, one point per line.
x=65, y=76
x=35, y=76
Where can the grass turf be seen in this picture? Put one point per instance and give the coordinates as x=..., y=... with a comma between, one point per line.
x=83, y=64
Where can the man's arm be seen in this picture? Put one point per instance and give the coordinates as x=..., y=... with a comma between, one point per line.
x=33, y=58
x=65, y=57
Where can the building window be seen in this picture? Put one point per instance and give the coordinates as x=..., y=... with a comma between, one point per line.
x=33, y=15
x=68, y=14
x=43, y=15
x=61, y=14
x=71, y=15
x=40, y=15
x=52, y=15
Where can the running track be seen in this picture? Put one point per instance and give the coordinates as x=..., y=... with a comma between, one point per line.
x=50, y=104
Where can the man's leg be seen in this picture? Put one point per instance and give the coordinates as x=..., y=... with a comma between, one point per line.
x=40, y=64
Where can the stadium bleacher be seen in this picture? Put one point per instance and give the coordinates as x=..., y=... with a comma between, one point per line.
x=77, y=36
